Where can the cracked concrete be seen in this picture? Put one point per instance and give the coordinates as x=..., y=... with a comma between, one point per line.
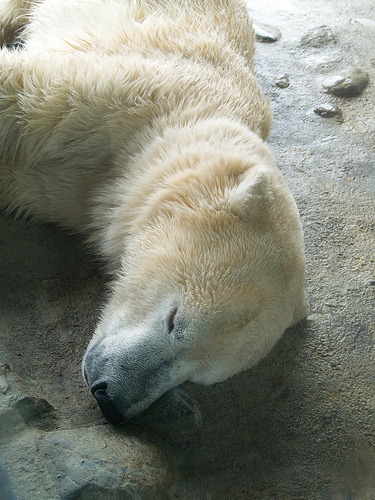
x=300, y=425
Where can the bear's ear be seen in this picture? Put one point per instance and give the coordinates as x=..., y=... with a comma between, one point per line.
x=249, y=197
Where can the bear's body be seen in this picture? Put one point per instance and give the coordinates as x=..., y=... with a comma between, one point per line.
x=140, y=124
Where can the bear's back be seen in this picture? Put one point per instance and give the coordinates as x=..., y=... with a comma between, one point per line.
x=115, y=26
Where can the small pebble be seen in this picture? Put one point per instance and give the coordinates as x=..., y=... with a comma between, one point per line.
x=327, y=111
x=318, y=37
x=3, y=386
x=282, y=82
x=266, y=33
x=370, y=23
x=348, y=83
x=4, y=368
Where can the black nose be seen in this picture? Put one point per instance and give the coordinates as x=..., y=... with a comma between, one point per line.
x=109, y=410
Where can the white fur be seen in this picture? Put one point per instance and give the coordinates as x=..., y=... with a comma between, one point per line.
x=140, y=124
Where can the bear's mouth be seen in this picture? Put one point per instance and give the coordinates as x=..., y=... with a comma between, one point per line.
x=179, y=397
x=107, y=406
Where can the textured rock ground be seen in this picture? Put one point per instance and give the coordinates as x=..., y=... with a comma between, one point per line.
x=298, y=426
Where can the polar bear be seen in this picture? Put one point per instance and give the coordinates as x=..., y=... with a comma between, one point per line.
x=139, y=124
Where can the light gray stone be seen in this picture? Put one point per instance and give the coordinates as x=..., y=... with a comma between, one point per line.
x=350, y=82
x=266, y=33
x=328, y=111
x=369, y=23
x=318, y=37
x=282, y=82
x=76, y=463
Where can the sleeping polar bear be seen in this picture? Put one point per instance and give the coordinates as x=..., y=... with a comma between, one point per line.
x=139, y=124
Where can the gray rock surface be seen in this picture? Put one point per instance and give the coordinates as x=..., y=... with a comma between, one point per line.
x=300, y=425
x=6, y=490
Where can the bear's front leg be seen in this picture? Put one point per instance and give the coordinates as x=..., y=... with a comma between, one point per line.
x=13, y=17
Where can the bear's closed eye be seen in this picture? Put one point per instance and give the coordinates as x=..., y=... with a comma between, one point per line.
x=171, y=320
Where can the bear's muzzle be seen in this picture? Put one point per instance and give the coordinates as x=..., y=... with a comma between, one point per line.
x=109, y=410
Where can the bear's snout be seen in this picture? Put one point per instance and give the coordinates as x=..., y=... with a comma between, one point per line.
x=125, y=376
x=109, y=410
x=95, y=366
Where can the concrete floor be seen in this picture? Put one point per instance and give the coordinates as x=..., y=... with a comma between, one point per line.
x=300, y=425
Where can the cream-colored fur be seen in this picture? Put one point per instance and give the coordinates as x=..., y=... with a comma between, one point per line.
x=140, y=124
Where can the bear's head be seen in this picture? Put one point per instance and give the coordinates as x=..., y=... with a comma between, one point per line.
x=206, y=288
